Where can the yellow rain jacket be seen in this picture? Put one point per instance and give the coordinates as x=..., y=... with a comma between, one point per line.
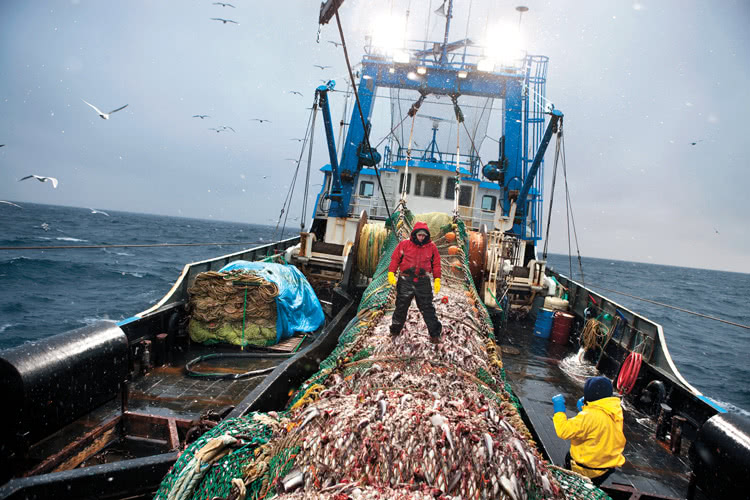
x=596, y=438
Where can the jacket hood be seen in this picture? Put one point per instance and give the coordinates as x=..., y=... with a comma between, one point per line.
x=420, y=226
x=611, y=406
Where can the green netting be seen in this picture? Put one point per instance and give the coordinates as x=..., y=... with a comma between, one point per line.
x=217, y=479
x=577, y=487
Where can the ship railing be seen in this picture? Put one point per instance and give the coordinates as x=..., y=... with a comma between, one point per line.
x=470, y=162
x=473, y=217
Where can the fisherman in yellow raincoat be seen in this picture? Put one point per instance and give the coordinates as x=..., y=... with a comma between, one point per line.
x=596, y=437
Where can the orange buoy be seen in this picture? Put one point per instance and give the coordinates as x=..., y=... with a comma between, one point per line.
x=451, y=236
x=453, y=250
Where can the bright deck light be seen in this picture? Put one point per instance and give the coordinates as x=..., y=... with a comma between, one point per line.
x=388, y=33
x=463, y=74
x=505, y=44
x=421, y=70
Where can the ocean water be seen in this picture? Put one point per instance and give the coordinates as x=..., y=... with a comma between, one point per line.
x=710, y=355
x=44, y=292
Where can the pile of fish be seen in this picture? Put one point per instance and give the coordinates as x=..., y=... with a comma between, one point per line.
x=413, y=419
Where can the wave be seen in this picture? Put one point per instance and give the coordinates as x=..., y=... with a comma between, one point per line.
x=6, y=326
x=69, y=238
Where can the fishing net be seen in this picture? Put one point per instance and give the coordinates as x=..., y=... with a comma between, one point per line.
x=234, y=307
x=392, y=416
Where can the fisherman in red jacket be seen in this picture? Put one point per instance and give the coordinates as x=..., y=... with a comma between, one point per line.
x=414, y=258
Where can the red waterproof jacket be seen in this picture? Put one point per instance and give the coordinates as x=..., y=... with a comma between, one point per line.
x=415, y=258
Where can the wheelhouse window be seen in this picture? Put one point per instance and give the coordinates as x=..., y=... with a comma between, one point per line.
x=428, y=185
x=464, y=194
x=366, y=189
x=488, y=203
x=401, y=184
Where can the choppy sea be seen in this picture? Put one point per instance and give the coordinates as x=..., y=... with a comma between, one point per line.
x=44, y=292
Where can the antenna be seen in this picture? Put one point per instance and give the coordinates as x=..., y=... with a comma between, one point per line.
x=521, y=9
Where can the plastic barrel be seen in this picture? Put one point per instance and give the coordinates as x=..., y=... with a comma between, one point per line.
x=543, y=324
x=561, y=327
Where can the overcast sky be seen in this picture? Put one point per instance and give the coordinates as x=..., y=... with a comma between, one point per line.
x=639, y=82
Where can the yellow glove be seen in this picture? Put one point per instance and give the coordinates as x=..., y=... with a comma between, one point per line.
x=437, y=285
x=391, y=278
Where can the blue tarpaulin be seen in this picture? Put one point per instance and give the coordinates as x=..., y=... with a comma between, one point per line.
x=297, y=307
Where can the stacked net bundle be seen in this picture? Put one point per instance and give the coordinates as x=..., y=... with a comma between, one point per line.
x=233, y=307
x=399, y=417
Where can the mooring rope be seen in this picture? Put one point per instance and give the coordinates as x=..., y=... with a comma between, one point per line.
x=673, y=307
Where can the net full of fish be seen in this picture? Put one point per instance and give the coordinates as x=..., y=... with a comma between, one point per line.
x=397, y=416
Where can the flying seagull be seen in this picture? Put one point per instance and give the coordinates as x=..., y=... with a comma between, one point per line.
x=10, y=203
x=225, y=21
x=321, y=67
x=1, y=145
x=224, y=127
x=41, y=178
x=105, y=116
x=716, y=230
x=337, y=44
x=295, y=92
x=261, y=120
x=95, y=211
x=224, y=4
x=201, y=116
x=696, y=142
x=298, y=140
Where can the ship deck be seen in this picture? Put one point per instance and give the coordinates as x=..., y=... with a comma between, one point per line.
x=532, y=365
x=162, y=405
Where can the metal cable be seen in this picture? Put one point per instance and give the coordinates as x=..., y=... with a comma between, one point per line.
x=671, y=307
x=361, y=114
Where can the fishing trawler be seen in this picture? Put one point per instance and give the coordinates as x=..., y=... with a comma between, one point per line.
x=348, y=411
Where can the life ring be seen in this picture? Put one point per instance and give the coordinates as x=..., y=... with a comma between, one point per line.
x=629, y=372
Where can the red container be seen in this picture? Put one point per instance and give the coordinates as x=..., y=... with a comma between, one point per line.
x=561, y=324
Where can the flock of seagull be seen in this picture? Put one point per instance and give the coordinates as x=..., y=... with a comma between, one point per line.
x=222, y=128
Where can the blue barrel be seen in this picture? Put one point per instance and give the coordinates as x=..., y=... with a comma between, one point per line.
x=543, y=324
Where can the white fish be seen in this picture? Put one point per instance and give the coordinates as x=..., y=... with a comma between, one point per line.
x=105, y=116
x=41, y=178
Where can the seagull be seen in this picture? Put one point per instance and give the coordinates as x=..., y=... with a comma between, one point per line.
x=45, y=226
x=293, y=159
x=10, y=203
x=41, y=178
x=225, y=21
x=337, y=44
x=261, y=120
x=224, y=4
x=201, y=116
x=696, y=142
x=716, y=230
x=105, y=116
x=224, y=127
x=321, y=67
x=217, y=130
x=2, y=145
x=95, y=211
x=298, y=140
x=295, y=92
